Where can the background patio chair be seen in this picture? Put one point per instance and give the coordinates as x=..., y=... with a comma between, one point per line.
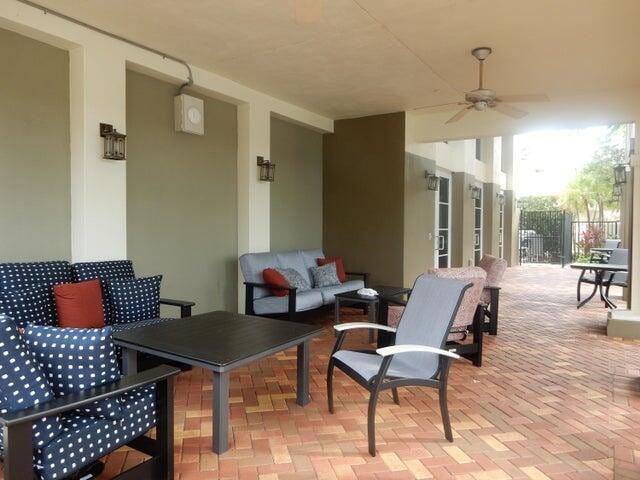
x=490, y=298
x=417, y=358
x=619, y=256
x=470, y=316
x=603, y=256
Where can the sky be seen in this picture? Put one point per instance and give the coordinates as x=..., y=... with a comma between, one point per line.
x=548, y=160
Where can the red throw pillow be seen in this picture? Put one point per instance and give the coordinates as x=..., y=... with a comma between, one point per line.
x=342, y=276
x=79, y=305
x=274, y=277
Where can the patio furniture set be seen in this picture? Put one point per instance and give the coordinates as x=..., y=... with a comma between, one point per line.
x=608, y=266
x=69, y=394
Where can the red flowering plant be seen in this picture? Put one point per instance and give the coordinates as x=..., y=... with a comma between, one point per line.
x=593, y=236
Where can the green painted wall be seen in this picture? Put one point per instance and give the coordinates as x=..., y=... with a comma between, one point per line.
x=181, y=196
x=296, y=194
x=35, y=199
x=419, y=218
x=462, y=220
x=363, y=195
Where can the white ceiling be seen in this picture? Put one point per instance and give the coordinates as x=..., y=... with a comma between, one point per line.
x=363, y=57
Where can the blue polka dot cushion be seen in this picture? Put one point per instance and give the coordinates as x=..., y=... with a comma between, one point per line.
x=29, y=305
x=135, y=300
x=16, y=276
x=23, y=383
x=76, y=359
x=105, y=271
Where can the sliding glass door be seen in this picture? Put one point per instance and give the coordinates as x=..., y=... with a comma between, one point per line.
x=477, y=231
x=443, y=222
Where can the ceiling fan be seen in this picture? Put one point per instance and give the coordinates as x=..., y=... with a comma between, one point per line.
x=482, y=98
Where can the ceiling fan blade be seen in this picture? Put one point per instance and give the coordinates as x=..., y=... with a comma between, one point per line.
x=308, y=11
x=509, y=110
x=445, y=107
x=460, y=114
x=533, y=97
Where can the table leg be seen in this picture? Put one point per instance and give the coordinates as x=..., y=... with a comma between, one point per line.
x=302, y=390
x=608, y=303
x=373, y=318
x=597, y=280
x=384, y=338
x=220, y=412
x=129, y=361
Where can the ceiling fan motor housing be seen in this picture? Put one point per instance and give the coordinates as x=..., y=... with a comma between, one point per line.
x=485, y=95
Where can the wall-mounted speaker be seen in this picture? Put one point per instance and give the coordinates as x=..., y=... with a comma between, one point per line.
x=189, y=114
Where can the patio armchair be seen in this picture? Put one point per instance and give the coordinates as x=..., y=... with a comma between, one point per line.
x=603, y=257
x=490, y=298
x=418, y=356
x=618, y=256
x=470, y=317
x=84, y=440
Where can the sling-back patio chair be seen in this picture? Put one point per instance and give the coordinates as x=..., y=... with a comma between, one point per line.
x=603, y=257
x=418, y=356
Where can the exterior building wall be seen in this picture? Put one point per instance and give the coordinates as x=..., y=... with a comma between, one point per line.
x=462, y=220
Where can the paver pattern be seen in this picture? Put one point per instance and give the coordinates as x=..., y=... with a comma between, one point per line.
x=555, y=399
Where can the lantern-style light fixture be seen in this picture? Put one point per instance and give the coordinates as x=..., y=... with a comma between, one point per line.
x=432, y=180
x=115, y=143
x=616, y=194
x=267, y=169
x=500, y=198
x=620, y=173
x=476, y=192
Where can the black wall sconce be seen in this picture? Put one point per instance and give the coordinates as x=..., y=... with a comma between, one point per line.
x=476, y=192
x=616, y=194
x=500, y=197
x=267, y=170
x=115, y=143
x=433, y=181
x=620, y=173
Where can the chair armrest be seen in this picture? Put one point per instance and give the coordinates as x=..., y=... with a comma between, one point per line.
x=364, y=275
x=85, y=397
x=185, y=306
x=341, y=327
x=395, y=349
x=269, y=285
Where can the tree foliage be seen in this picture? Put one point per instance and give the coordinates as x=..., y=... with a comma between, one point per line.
x=539, y=203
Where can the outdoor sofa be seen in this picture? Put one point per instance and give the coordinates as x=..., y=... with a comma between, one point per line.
x=260, y=301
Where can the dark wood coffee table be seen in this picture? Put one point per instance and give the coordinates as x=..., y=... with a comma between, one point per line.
x=373, y=303
x=220, y=341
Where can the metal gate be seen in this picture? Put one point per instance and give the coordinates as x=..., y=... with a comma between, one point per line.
x=545, y=237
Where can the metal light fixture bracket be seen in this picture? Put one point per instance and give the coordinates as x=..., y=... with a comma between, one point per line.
x=115, y=143
x=433, y=181
x=267, y=169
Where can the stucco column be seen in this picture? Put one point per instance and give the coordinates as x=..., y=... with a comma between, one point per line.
x=491, y=219
x=98, y=186
x=254, y=139
x=511, y=218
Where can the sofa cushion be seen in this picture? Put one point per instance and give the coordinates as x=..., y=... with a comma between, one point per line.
x=272, y=276
x=253, y=264
x=75, y=359
x=307, y=300
x=16, y=276
x=84, y=440
x=79, y=305
x=325, y=276
x=294, y=260
x=23, y=383
x=342, y=275
x=294, y=278
x=310, y=257
x=329, y=293
x=135, y=300
x=32, y=304
x=107, y=270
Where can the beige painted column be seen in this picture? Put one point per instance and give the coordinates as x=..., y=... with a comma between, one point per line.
x=511, y=218
x=491, y=219
x=462, y=220
x=254, y=222
x=98, y=186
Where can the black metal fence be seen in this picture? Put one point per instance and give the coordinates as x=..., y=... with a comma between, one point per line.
x=545, y=237
x=585, y=235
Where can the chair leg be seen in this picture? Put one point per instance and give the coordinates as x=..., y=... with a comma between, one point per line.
x=579, y=284
x=371, y=422
x=442, y=396
x=330, y=386
x=396, y=397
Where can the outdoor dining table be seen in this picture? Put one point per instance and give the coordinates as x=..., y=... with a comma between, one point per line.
x=599, y=269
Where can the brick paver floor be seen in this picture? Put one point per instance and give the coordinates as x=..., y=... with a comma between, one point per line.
x=555, y=399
